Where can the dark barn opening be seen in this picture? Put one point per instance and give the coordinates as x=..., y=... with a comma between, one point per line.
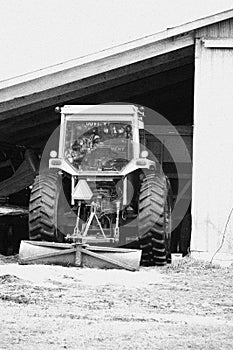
x=163, y=83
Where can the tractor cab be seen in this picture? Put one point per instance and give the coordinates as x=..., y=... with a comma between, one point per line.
x=98, y=145
x=99, y=138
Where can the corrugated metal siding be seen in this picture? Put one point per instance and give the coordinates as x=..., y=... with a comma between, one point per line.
x=213, y=142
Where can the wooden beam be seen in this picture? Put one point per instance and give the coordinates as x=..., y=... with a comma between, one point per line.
x=23, y=123
x=33, y=129
x=226, y=43
x=143, y=86
x=178, y=130
x=91, y=65
x=94, y=84
x=159, y=97
x=34, y=133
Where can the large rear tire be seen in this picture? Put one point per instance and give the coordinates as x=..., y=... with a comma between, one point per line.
x=154, y=220
x=43, y=208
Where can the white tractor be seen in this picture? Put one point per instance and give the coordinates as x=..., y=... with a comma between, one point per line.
x=101, y=188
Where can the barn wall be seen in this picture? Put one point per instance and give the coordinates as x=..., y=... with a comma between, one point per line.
x=212, y=194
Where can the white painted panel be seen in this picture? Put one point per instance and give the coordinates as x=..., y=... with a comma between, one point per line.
x=213, y=149
x=218, y=43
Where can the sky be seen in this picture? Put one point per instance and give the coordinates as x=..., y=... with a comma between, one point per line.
x=35, y=34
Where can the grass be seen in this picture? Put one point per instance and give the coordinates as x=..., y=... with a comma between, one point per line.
x=188, y=263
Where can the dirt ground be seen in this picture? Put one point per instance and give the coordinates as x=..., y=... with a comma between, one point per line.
x=188, y=306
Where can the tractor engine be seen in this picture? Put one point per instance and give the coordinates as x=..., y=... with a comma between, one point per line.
x=100, y=215
x=105, y=198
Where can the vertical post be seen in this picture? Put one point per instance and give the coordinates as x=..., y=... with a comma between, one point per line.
x=212, y=191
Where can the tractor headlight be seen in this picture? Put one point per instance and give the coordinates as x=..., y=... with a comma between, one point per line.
x=53, y=154
x=144, y=154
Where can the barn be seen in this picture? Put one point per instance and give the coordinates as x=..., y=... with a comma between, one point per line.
x=185, y=74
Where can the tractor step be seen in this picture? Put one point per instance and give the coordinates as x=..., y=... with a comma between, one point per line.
x=80, y=255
